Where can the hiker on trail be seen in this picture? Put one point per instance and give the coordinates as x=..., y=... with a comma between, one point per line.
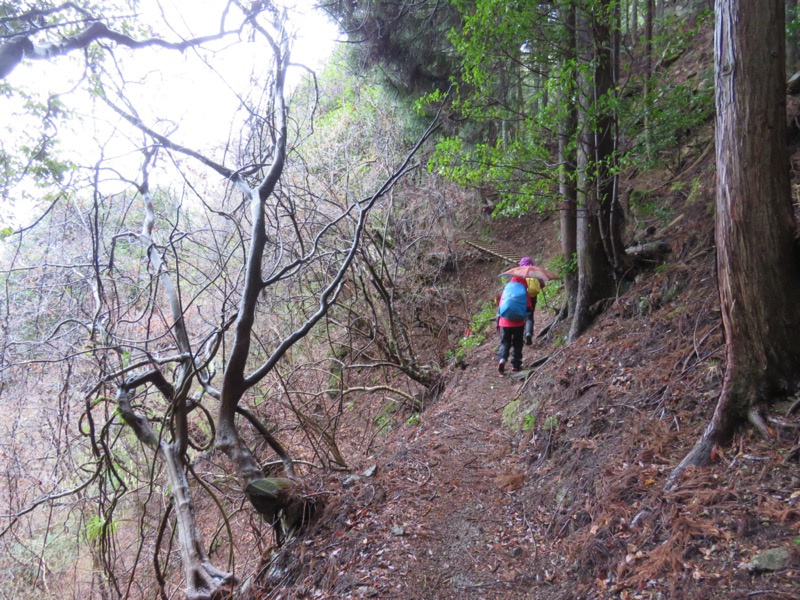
x=534, y=287
x=513, y=310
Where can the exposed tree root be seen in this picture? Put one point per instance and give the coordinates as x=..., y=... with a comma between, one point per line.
x=698, y=456
x=757, y=421
x=794, y=453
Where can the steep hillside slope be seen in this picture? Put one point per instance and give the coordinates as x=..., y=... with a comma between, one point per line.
x=550, y=485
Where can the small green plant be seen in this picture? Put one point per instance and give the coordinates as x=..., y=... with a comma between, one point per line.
x=551, y=423
x=564, y=266
x=676, y=312
x=560, y=341
x=413, y=419
x=646, y=207
x=476, y=333
x=677, y=186
x=385, y=419
x=551, y=296
x=384, y=423
x=694, y=191
x=510, y=416
x=644, y=306
x=481, y=320
x=528, y=422
x=470, y=343
x=96, y=526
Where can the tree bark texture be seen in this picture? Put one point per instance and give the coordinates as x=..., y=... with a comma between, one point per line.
x=203, y=580
x=567, y=186
x=792, y=43
x=757, y=255
x=604, y=33
x=594, y=272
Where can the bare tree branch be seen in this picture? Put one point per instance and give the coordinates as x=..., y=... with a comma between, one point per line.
x=21, y=47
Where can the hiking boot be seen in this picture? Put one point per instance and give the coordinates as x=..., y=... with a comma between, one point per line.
x=528, y=340
x=501, y=366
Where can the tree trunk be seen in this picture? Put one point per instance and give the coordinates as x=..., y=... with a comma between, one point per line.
x=605, y=30
x=567, y=188
x=203, y=580
x=595, y=282
x=648, y=71
x=757, y=256
x=792, y=41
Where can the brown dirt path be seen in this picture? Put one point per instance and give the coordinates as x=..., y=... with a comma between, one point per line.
x=462, y=506
x=442, y=517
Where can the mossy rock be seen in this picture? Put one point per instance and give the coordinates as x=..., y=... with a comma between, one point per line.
x=270, y=494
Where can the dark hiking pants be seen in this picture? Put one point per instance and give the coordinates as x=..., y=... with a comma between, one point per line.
x=511, y=341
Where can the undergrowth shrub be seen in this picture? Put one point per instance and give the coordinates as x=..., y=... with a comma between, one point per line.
x=672, y=111
x=476, y=332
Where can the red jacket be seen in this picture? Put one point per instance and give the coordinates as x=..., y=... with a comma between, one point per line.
x=502, y=322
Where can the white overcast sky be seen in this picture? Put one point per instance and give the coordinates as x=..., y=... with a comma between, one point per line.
x=173, y=83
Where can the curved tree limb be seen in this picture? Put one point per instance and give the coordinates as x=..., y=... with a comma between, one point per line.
x=21, y=47
x=331, y=291
x=203, y=579
x=288, y=463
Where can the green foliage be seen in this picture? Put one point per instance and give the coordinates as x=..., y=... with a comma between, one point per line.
x=510, y=414
x=694, y=191
x=409, y=41
x=671, y=111
x=360, y=128
x=476, y=333
x=519, y=416
x=792, y=32
x=414, y=419
x=99, y=526
x=528, y=422
x=551, y=296
x=482, y=319
x=512, y=94
x=517, y=75
x=564, y=266
x=384, y=420
x=551, y=423
x=648, y=206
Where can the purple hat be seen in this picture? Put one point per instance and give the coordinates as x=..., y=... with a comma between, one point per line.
x=525, y=261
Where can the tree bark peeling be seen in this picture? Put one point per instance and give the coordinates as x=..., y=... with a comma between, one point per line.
x=203, y=580
x=757, y=254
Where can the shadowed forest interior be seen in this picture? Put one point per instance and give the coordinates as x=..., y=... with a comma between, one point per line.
x=249, y=339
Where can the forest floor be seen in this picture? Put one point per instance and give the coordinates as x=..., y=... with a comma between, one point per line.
x=551, y=485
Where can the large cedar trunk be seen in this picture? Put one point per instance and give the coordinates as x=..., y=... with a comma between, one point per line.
x=757, y=258
x=595, y=280
x=568, y=193
x=567, y=186
x=604, y=31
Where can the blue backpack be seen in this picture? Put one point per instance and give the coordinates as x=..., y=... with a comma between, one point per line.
x=514, y=303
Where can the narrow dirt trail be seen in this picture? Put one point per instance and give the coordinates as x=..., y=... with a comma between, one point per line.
x=442, y=518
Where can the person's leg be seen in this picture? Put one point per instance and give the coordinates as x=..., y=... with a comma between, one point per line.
x=505, y=347
x=529, y=330
x=516, y=347
x=529, y=323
